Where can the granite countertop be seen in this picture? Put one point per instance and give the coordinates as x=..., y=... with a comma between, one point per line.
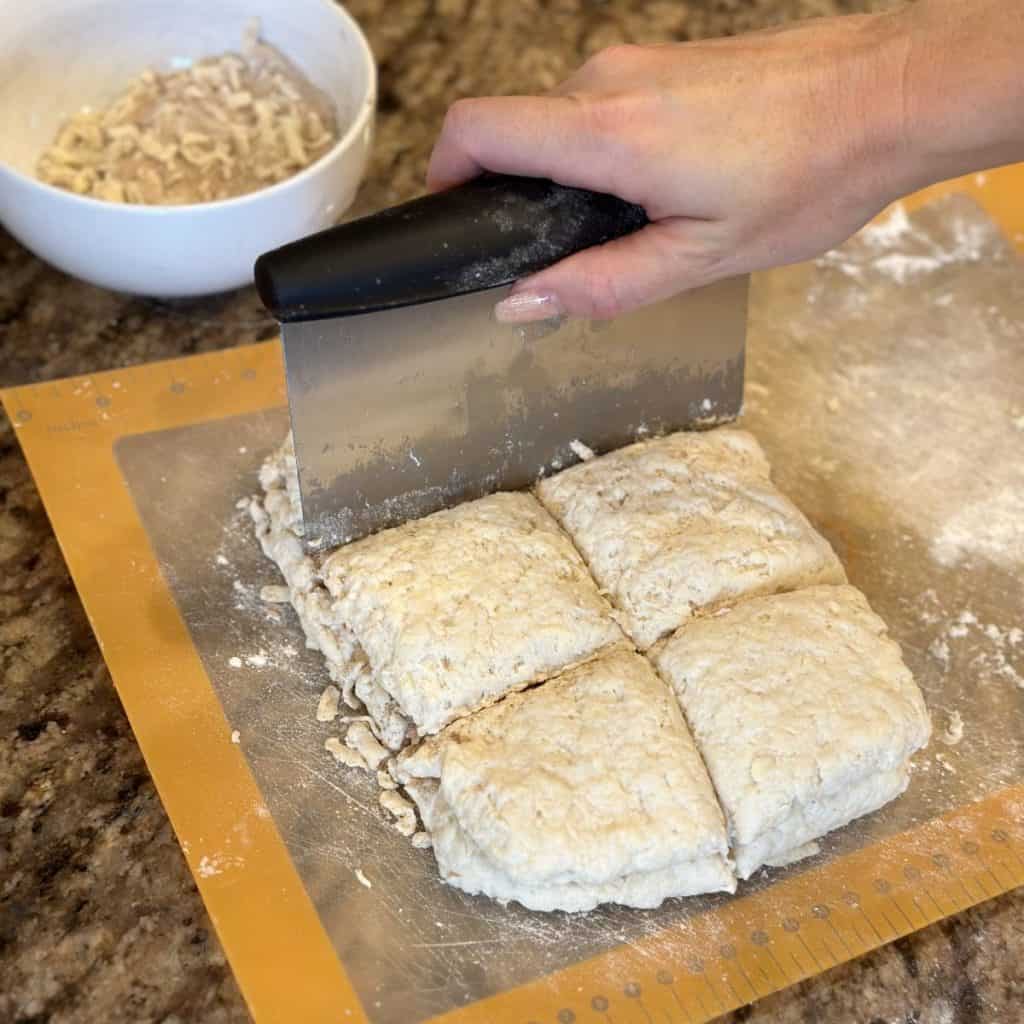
x=99, y=918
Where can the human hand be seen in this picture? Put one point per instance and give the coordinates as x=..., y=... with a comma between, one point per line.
x=746, y=153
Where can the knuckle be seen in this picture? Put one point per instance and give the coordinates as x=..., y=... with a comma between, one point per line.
x=603, y=293
x=460, y=117
x=615, y=57
x=613, y=118
x=599, y=117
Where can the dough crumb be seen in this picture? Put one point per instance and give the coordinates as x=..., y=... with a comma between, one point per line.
x=954, y=731
x=235, y=662
x=384, y=780
x=344, y=755
x=275, y=594
x=327, y=708
x=583, y=452
x=236, y=736
x=363, y=880
x=832, y=404
x=360, y=738
x=422, y=840
x=396, y=804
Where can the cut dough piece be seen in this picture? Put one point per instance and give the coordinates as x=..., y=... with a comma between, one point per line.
x=327, y=707
x=361, y=739
x=803, y=710
x=400, y=809
x=585, y=790
x=685, y=522
x=344, y=755
x=453, y=611
x=279, y=528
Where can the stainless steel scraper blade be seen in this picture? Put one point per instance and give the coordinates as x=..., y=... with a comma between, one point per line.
x=401, y=412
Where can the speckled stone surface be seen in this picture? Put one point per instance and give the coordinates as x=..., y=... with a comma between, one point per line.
x=99, y=919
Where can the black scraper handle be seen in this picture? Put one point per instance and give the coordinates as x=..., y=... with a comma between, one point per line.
x=484, y=233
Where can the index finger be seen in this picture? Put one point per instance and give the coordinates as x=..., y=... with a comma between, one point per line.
x=537, y=136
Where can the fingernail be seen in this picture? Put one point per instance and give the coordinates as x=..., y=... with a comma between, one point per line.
x=526, y=307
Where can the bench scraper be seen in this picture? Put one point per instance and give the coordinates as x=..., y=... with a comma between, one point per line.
x=407, y=396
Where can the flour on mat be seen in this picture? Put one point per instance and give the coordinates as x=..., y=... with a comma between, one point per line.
x=992, y=527
x=217, y=864
x=916, y=252
x=953, y=733
x=966, y=286
x=994, y=651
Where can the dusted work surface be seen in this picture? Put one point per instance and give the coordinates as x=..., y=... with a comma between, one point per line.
x=98, y=917
x=168, y=571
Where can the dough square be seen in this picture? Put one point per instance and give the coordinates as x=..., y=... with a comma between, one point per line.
x=587, y=789
x=451, y=612
x=803, y=710
x=685, y=522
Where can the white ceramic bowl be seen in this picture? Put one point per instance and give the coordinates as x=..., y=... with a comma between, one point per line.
x=58, y=55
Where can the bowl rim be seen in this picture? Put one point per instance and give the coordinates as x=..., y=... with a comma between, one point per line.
x=144, y=210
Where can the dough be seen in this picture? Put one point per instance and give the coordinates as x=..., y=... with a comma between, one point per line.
x=453, y=611
x=588, y=788
x=683, y=523
x=327, y=707
x=803, y=711
x=582, y=791
x=429, y=621
x=279, y=529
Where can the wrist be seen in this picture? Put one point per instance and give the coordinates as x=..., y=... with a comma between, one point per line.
x=881, y=155
x=955, y=71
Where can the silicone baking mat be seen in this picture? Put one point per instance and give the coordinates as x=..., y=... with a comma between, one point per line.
x=882, y=381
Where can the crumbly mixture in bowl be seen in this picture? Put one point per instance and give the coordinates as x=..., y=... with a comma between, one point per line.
x=227, y=125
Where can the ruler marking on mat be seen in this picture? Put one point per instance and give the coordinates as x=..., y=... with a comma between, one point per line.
x=746, y=978
x=817, y=963
x=739, y=1000
x=906, y=917
x=722, y=1008
x=842, y=941
x=682, y=1006
x=755, y=946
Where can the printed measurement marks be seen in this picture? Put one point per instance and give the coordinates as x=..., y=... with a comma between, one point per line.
x=914, y=891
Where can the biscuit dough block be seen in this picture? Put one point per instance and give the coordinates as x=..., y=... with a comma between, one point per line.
x=455, y=610
x=585, y=790
x=803, y=711
x=683, y=523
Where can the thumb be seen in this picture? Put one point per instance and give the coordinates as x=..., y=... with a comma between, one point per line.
x=661, y=259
